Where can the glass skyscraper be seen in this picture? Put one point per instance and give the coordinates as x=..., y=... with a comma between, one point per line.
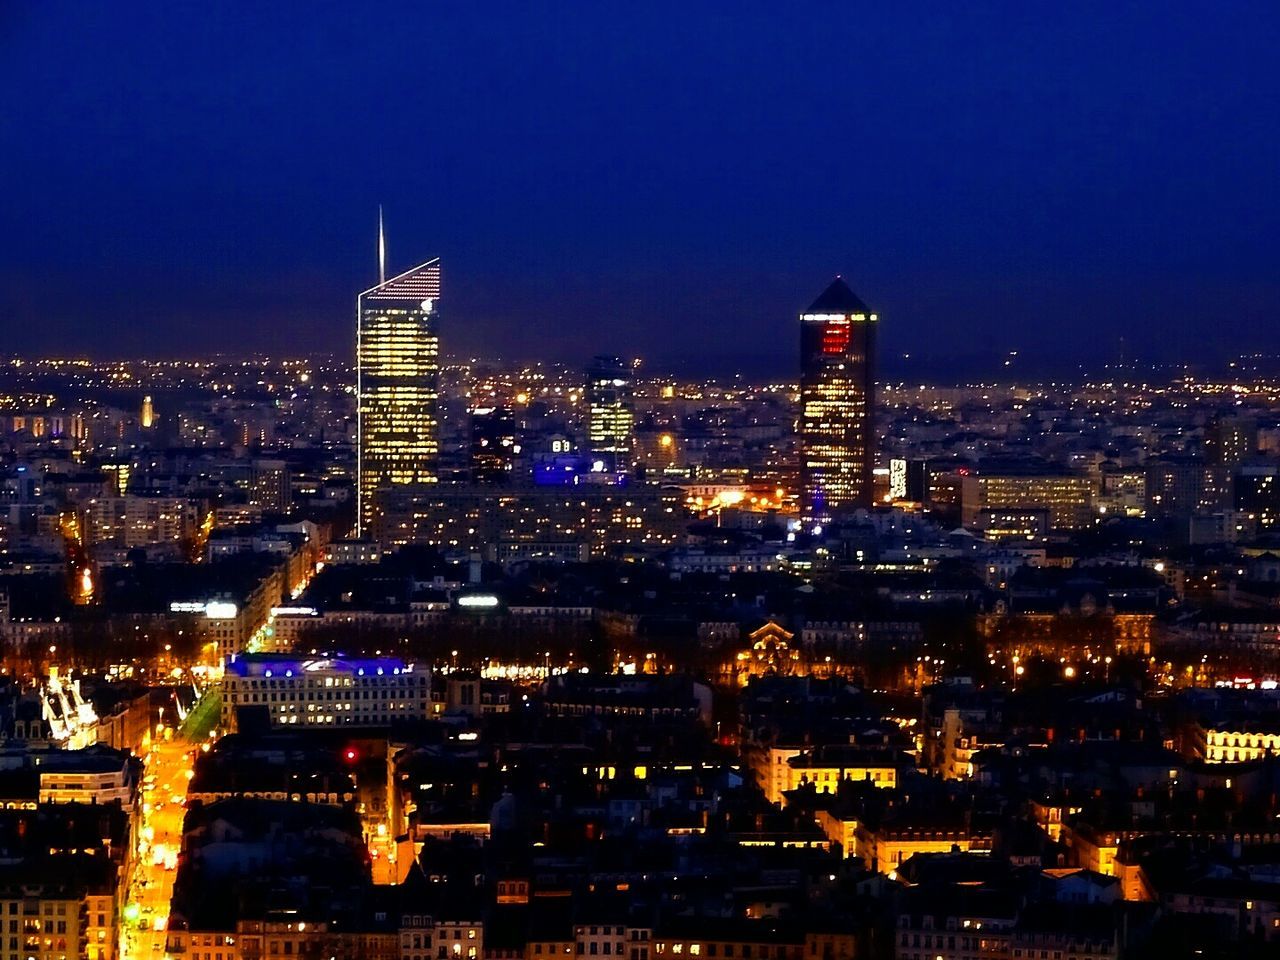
x=837, y=404
x=611, y=415
x=398, y=385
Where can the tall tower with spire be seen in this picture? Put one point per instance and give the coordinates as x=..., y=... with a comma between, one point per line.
x=837, y=404
x=382, y=249
x=397, y=384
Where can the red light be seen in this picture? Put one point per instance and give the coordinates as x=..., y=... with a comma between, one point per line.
x=835, y=338
x=351, y=754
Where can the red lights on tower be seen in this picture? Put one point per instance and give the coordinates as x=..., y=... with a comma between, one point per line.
x=835, y=337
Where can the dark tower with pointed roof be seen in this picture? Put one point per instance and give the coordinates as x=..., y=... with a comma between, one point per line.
x=837, y=404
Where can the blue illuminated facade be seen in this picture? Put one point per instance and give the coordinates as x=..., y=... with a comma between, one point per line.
x=325, y=692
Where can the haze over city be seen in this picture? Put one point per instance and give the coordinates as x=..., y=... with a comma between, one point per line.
x=674, y=174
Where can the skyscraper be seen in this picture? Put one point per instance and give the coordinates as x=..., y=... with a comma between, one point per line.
x=270, y=485
x=397, y=384
x=1230, y=440
x=494, y=444
x=837, y=403
x=610, y=415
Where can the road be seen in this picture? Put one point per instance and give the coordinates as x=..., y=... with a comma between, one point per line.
x=382, y=851
x=168, y=766
x=164, y=793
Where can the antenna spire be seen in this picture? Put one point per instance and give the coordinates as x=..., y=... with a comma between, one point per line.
x=382, y=250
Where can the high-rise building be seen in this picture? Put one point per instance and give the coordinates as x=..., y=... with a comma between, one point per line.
x=494, y=444
x=658, y=448
x=908, y=480
x=397, y=383
x=118, y=475
x=610, y=415
x=148, y=413
x=837, y=401
x=1230, y=440
x=1257, y=493
x=270, y=486
x=1178, y=486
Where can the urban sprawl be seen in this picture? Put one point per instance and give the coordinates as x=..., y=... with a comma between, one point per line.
x=408, y=657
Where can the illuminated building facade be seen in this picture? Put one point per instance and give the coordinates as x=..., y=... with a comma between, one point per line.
x=610, y=415
x=837, y=401
x=1177, y=487
x=734, y=938
x=397, y=382
x=269, y=485
x=1124, y=492
x=136, y=521
x=1068, y=497
x=780, y=770
x=324, y=692
x=1257, y=494
x=228, y=622
x=884, y=848
x=533, y=522
x=1240, y=742
x=908, y=480
x=68, y=906
x=119, y=476
x=1229, y=441
x=1014, y=523
x=657, y=448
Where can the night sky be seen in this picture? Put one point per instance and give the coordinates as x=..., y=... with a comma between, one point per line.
x=668, y=180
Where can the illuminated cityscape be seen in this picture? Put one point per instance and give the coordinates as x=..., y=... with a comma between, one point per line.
x=587, y=612
x=1053, y=581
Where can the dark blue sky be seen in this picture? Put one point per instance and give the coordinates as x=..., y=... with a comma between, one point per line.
x=652, y=178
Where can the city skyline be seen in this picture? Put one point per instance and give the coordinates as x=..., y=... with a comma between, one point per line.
x=830, y=512
x=593, y=626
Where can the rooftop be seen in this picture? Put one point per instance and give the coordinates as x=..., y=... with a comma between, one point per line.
x=838, y=298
